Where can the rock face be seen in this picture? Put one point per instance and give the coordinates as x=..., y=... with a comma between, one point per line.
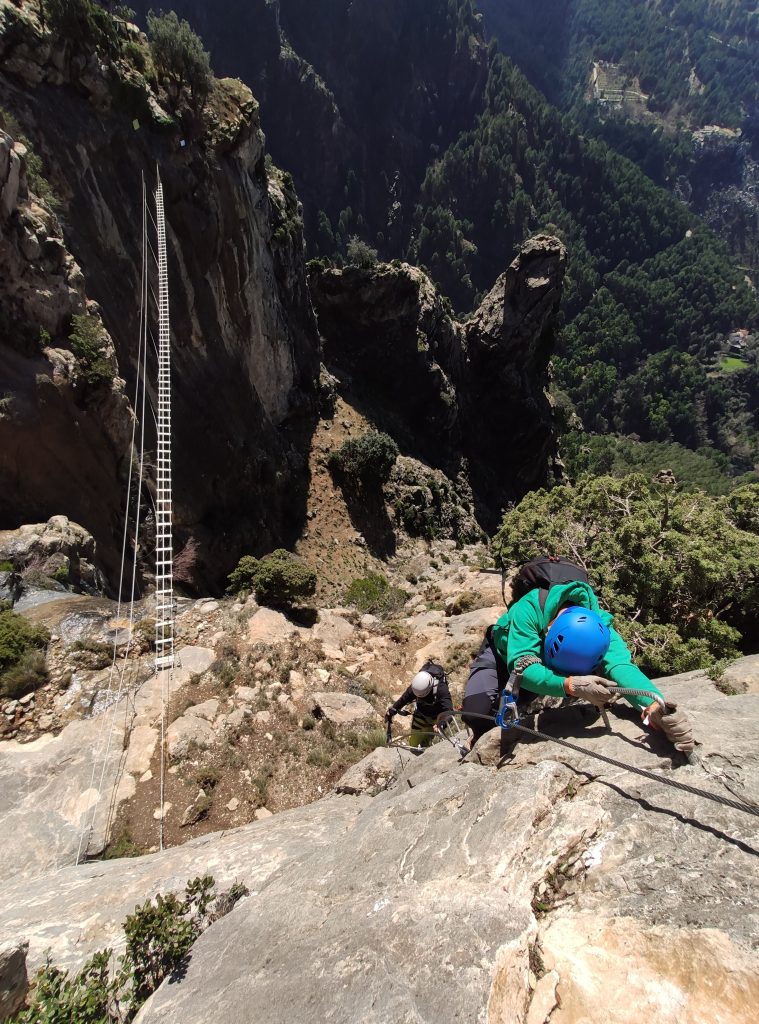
x=13, y=980
x=62, y=440
x=453, y=394
x=245, y=354
x=466, y=892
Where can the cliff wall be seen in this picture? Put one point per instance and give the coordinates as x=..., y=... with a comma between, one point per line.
x=245, y=347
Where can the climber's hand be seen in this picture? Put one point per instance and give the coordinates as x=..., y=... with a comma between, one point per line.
x=390, y=713
x=674, y=723
x=595, y=689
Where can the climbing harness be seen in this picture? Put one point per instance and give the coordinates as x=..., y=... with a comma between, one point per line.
x=508, y=718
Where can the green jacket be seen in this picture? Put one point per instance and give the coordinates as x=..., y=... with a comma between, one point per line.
x=522, y=630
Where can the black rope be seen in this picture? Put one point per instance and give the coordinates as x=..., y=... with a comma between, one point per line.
x=683, y=786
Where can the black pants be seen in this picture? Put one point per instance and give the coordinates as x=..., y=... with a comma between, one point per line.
x=486, y=682
x=481, y=693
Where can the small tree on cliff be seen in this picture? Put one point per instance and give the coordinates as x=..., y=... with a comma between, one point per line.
x=360, y=254
x=178, y=55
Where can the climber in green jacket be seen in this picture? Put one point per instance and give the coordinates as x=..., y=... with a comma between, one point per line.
x=520, y=639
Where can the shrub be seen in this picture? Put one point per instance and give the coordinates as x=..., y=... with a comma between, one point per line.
x=159, y=936
x=28, y=675
x=279, y=579
x=83, y=22
x=36, y=181
x=178, y=54
x=122, y=845
x=206, y=777
x=681, y=570
x=360, y=254
x=17, y=637
x=367, y=460
x=374, y=594
x=318, y=758
x=88, y=344
x=7, y=567
x=243, y=577
x=92, y=653
x=372, y=739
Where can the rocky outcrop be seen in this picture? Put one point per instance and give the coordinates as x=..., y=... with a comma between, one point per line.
x=57, y=549
x=466, y=892
x=467, y=398
x=245, y=352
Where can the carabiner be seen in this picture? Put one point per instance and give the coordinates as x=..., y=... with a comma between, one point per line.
x=508, y=715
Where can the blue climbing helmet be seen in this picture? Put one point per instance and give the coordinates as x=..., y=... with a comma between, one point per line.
x=576, y=642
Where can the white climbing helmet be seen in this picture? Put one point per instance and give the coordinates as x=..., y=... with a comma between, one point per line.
x=422, y=684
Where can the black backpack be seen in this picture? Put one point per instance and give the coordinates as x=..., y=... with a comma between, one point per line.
x=543, y=573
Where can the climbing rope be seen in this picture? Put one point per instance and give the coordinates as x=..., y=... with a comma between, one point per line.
x=115, y=693
x=748, y=808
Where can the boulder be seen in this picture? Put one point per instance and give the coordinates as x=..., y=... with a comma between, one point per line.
x=247, y=694
x=234, y=721
x=343, y=708
x=208, y=710
x=197, y=810
x=267, y=626
x=374, y=772
x=332, y=628
x=743, y=675
x=48, y=547
x=14, y=983
x=195, y=660
x=186, y=733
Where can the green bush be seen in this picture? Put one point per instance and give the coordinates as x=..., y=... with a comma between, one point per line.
x=19, y=641
x=375, y=594
x=89, y=346
x=680, y=570
x=367, y=459
x=279, y=579
x=178, y=54
x=83, y=22
x=26, y=676
x=360, y=254
x=7, y=567
x=159, y=936
x=243, y=577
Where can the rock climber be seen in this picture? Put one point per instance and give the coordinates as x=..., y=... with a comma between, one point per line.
x=429, y=688
x=562, y=644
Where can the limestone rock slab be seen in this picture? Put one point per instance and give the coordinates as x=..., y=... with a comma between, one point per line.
x=622, y=972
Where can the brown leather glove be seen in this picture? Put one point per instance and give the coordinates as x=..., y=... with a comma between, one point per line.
x=594, y=689
x=674, y=723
